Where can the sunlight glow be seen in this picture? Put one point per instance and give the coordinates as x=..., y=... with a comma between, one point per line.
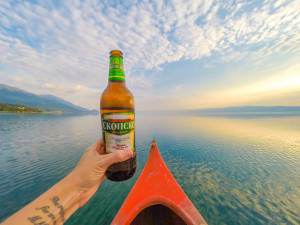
x=273, y=87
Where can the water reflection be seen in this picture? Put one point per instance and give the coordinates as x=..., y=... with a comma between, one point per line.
x=235, y=170
x=276, y=131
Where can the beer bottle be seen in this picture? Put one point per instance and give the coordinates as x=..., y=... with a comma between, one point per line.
x=117, y=118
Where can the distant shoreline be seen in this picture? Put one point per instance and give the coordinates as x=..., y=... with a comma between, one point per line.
x=49, y=113
x=12, y=112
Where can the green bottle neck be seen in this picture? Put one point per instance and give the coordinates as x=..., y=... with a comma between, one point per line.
x=116, y=69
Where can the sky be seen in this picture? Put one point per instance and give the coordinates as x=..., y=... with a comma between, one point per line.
x=177, y=54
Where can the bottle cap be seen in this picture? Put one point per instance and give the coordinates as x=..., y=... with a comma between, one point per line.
x=116, y=53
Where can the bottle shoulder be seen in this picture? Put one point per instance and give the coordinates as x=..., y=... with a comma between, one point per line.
x=117, y=96
x=117, y=90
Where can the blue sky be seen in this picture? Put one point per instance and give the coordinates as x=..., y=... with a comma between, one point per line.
x=177, y=54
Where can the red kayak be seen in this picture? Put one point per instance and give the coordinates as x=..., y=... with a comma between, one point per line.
x=157, y=198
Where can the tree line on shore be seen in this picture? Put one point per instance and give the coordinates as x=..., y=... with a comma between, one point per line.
x=16, y=108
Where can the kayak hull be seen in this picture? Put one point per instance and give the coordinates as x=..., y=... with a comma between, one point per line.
x=157, y=198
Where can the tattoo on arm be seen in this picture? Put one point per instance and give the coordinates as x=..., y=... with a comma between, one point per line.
x=38, y=220
x=35, y=220
x=52, y=217
x=55, y=201
x=45, y=209
x=62, y=213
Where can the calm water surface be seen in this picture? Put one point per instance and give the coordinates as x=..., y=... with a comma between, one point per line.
x=235, y=170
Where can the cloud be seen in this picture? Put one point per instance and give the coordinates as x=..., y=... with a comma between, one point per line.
x=78, y=87
x=79, y=34
x=52, y=87
x=18, y=79
x=68, y=42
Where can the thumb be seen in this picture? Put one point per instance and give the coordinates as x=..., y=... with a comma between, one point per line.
x=117, y=156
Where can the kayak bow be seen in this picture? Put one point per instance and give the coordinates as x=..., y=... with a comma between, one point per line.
x=157, y=198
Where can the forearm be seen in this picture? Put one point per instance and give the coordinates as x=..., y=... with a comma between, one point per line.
x=55, y=206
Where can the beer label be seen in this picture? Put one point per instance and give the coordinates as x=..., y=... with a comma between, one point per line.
x=116, y=70
x=118, y=131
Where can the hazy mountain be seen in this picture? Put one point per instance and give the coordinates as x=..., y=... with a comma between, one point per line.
x=240, y=111
x=47, y=103
x=249, y=110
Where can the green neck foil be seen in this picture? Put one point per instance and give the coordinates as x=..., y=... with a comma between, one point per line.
x=116, y=69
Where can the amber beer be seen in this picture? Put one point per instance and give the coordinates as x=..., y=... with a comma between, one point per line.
x=117, y=119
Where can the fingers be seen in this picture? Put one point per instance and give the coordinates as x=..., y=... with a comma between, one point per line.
x=98, y=146
x=117, y=156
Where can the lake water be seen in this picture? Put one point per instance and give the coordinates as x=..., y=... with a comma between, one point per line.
x=236, y=170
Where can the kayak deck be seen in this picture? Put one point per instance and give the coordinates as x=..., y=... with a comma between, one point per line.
x=156, y=198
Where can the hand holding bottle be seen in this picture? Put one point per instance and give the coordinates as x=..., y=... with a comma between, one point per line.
x=90, y=170
x=57, y=204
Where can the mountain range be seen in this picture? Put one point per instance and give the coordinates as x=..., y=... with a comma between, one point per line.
x=48, y=103
x=51, y=103
x=240, y=111
x=248, y=110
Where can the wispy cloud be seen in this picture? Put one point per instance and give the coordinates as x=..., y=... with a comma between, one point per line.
x=18, y=79
x=67, y=42
x=52, y=87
